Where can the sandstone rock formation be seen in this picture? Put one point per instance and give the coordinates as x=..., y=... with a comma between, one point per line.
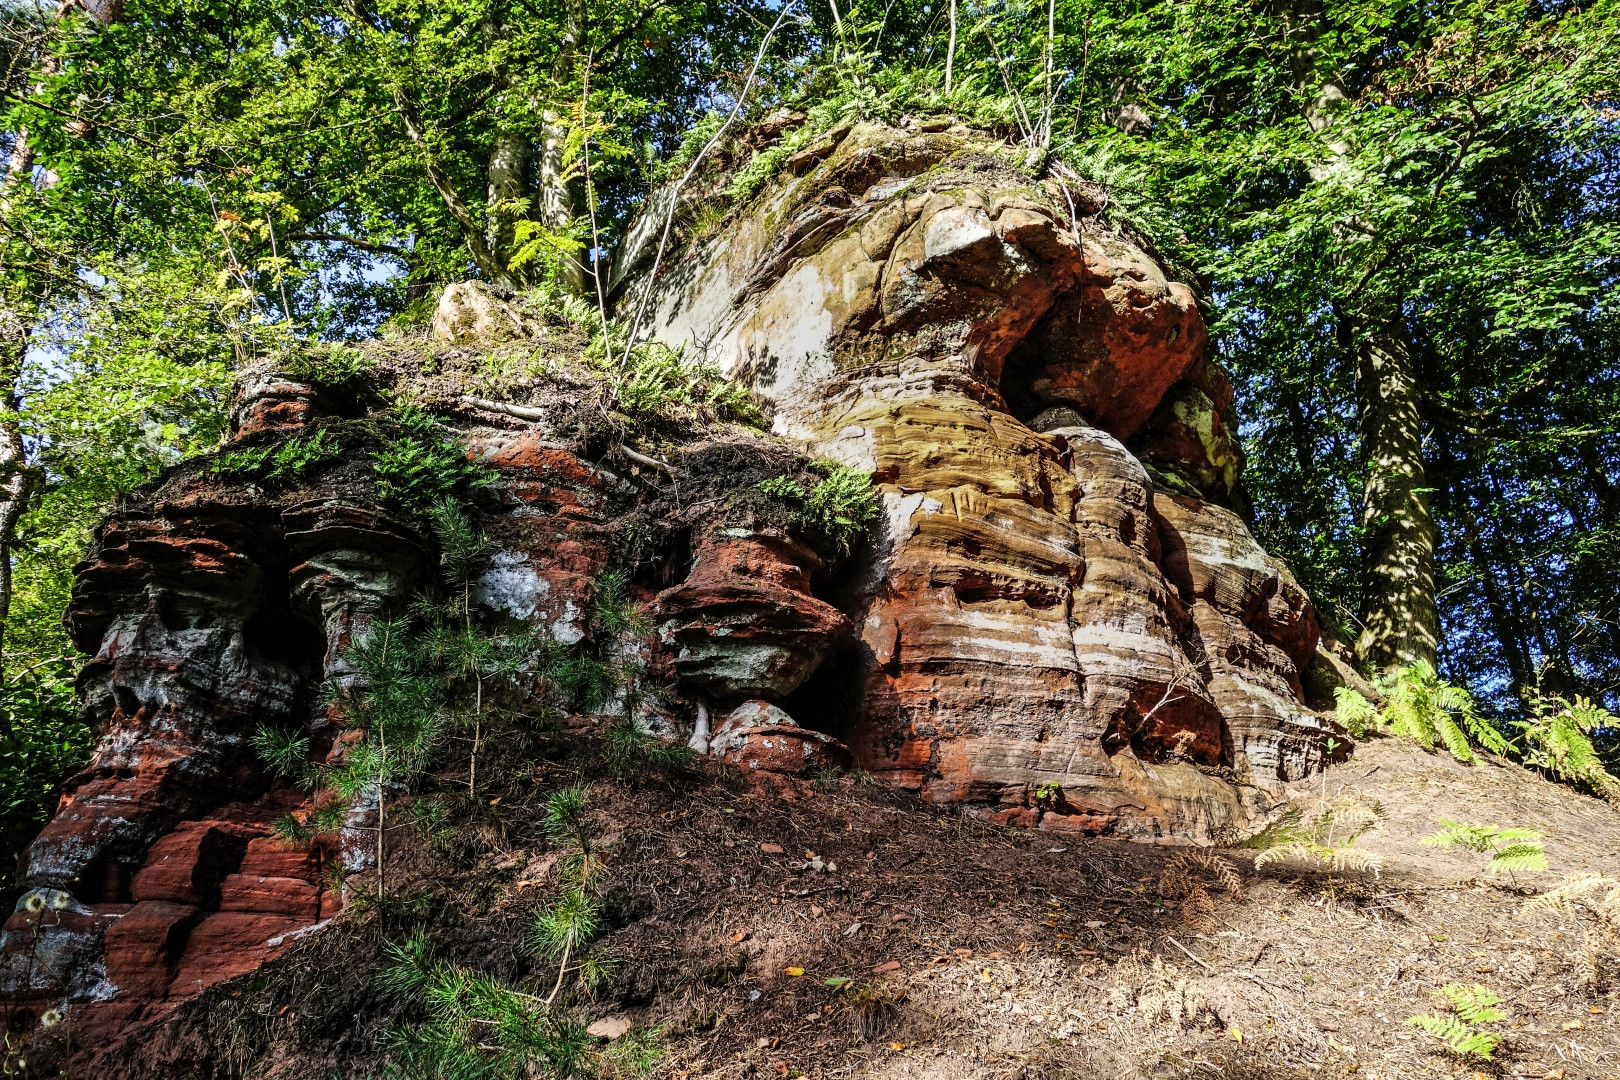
x=1060, y=618
x=1041, y=612
x=211, y=608
x=760, y=737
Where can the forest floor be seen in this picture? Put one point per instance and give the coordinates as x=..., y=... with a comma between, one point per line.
x=970, y=951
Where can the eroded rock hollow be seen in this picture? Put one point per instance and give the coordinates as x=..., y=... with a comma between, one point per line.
x=1059, y=619
x=1064, y=619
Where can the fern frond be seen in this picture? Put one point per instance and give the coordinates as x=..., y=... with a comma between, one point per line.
x=1453, y=737
x=1355, y=712
x=1456, y=834
x=1529, y=855
x=1458, y=1037
x=1566, y=898
x=1475, y=1004
x=1350, y=858
x=1352, y=814
x=1448, y=1029
x=1483, y=732
x=1288, y=850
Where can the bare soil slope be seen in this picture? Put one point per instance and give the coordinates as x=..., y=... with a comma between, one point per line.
x=970, y=950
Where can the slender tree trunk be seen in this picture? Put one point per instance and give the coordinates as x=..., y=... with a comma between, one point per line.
x=950, y=51
x=508, y=180
x=483, y=257
x=1503, y=623
x=383, y=799
x=1400, y=621
x=556, y=201
x=18, y=480
x=478, y=730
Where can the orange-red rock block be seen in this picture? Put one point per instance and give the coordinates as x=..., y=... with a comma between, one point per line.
x=188, y=865
x=143, y=947
x=228, y=944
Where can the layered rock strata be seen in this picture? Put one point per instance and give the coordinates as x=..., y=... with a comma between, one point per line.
x=213, y=608
x=1061, y=622
x=1059, y=619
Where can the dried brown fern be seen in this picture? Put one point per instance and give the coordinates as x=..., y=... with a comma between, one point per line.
x=1183, y=881
x=1159, y=994
x=1593, y=901
x=1328, y=837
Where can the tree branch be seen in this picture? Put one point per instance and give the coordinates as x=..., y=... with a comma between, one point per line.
x=351, y=241
x=472, y=229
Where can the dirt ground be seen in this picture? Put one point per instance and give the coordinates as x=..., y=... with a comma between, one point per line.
x=966, y=950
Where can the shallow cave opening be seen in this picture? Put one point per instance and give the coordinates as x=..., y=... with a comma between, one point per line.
x=278, y=634
x=830, y=699
x=1023, y=366
x=663, y=564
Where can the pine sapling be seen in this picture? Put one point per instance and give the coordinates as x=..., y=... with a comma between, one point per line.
x=570, y=921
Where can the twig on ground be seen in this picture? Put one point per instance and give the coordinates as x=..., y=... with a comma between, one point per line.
x=1190, y=955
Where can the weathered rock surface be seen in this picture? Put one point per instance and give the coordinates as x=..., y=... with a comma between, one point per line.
x=1041, y=610
x=1060, y=618
x=211, y=608
x=758, y=737
x=745, y=622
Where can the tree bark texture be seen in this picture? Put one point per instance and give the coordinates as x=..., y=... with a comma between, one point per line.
x=1400, y=621
x=508, y=191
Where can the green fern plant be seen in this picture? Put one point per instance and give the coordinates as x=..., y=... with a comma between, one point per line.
x=419, y=468
x=1462, y=1030
x=840, y=505
x=1421, y=706
x=1358, y=715
x=1328, y=837
x=1510, y=850
x=290, y=460
x=335, y=368
x=657, y=383
x=1558, y=742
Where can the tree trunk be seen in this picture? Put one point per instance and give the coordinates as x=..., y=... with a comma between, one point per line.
x=556, y=202
x=508, y=177
x=17, y=478
x=556, y=210
x=483, y=257
x=1400, y=622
